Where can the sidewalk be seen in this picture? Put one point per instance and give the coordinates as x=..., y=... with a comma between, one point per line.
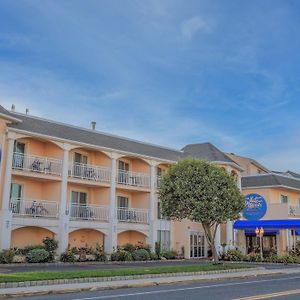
x=143, y=280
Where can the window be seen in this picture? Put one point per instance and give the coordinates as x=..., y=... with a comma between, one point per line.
x=16, y=191
x=160, y=216
x=284, y=199
x=78, y=198
x=19, y=147
x=123, y=202
x=123, y=166
x=163, y=236
x=80, y=158
x=159, y=171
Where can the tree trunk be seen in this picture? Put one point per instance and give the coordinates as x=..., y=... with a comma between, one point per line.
x=210, y=237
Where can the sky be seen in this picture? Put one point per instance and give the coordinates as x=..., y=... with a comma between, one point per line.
x=164, y=72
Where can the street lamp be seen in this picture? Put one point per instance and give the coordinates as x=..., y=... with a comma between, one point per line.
x=260, y=233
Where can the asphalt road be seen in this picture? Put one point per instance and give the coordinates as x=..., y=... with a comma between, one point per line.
x=92, y=266
x=266, y=287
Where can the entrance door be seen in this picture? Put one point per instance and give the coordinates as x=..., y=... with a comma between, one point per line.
x=268, y=243
x=197, y=245
x=15, y=197
x=19, y=150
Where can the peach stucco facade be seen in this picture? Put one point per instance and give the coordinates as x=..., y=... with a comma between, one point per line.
x=84, y=194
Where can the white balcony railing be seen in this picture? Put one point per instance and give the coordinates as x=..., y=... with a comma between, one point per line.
x=294, y=210
x=34, y=208
x=89, y=212
x=37, y=164
x=133, y=215
x=133, y=178
x=89, y=172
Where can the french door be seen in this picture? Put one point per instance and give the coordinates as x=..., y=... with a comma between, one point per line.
x=197, y=245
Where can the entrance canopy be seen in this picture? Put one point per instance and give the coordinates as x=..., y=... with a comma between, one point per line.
x=267, y=224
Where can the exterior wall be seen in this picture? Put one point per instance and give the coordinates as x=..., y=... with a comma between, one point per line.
x=3, y=147
x=132, y=237
x=29, y=236
x=85, y=238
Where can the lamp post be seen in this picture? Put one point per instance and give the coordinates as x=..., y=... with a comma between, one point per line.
x=260, y=233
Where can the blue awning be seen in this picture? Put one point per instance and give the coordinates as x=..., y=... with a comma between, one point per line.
x=267, y=231
x=267, y=224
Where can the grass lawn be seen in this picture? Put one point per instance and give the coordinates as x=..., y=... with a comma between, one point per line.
x=32, y=276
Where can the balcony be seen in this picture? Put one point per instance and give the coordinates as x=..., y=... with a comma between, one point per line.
x=294, y=211
x=133, y=179
x=133, y=215
x=89, y=172
x=89, y=212
x=34, y=208
x=37, y=164
x=158, y=180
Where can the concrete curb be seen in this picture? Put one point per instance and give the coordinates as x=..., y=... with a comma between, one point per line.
x=117, y=278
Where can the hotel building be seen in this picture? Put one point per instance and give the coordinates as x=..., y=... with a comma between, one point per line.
x=84, y=187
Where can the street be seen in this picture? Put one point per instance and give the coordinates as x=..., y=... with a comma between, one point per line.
x=264, y=287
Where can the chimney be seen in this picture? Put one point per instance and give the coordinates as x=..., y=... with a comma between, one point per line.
x=93, y=125
x=27, y=111
x=13, y=108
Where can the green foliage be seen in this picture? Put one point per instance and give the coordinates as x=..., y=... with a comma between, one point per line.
x=233, y=255
x=99, y=253
x=7, y=256
x=158, y=249
x=37, y=256
x=25, y=250
x=121, y=255
x=68, y=256
x=169, y=254
x=202, y=192
x=129, y=247
x=287, y=259
x=140, y=255
x=153, y=256
x=253, y=257
x=50, y=245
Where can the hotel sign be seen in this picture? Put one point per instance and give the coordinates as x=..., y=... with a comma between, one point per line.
x=255, y=207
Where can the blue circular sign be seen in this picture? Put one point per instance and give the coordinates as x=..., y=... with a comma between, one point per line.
x=255, y=207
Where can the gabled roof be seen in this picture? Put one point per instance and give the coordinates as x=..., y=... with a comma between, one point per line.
x=251, y=160
x=270, y=180
x=6, y=115
x=206, y=151
x=64, y=131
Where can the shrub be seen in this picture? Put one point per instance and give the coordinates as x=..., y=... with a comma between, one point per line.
x=169, y=254
x=144, y=246
x=286, y=259
x=153, y=256
x=99, y=253
x=233, y=255
x=141, y=254
x=271, y=257
x=253, y=257
x=158, y=249
x=121, y=255
x=50, y=244
x=37, y=255
x=7, y=256
x=68, y=256
x=129, y=247
x=25, y=250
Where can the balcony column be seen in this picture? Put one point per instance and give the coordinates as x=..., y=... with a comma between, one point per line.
x=6, y=214
x=111, y=239
x=63, y=236
x=153, y=203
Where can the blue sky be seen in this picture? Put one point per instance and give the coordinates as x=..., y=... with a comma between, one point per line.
x=167, y=72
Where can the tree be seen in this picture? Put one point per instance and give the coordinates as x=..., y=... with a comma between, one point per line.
x=202, y=192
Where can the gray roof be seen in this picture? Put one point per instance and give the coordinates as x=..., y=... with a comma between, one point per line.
x=288, y=173
x=72, y=133
x=270, y=180
x=206, y=151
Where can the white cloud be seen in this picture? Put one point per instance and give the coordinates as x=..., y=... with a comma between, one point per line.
x=195, y=24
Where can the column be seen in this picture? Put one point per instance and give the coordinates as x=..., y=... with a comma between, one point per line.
x=63, y=235
x=111, y=239
x=218, y=240
x=229, y=235
x=6, y=214
x=153, y=229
